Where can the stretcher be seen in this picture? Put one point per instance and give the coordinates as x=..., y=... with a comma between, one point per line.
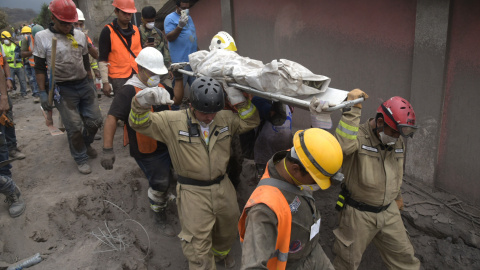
x=302, y=102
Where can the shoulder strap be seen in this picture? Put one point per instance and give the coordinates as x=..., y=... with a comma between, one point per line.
x=123, y=40
x=284, y=186
x=158, y=31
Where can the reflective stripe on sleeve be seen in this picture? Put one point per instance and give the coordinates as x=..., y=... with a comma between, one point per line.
x=139, y=119
x=347, y=131
x=220, y=253
x=247, y=111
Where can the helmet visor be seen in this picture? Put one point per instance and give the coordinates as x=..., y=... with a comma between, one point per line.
x=407, y=130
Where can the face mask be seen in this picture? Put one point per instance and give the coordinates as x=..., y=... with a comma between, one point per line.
x=387, y=140
x=187, y=11
x=79, y=28
x=7, y=42
x=310, y=187
x=153, y=81
x=150, y=25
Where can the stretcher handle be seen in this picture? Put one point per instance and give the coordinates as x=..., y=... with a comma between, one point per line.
x=295, y=102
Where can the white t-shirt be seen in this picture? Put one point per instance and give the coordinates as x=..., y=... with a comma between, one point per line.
x=69, y=58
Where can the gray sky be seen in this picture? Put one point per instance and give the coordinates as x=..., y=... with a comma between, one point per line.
x=33, y=4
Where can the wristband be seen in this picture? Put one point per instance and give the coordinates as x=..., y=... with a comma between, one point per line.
x=10, y=78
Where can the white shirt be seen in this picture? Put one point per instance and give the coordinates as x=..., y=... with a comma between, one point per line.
x=69, y=59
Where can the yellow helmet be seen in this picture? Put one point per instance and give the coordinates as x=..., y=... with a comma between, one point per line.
x=223, y=40
x=6, y=34
x=320, y=154
x=26, y=30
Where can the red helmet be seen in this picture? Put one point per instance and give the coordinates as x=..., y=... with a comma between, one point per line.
x=64, y=10
x=127, y=6
x=399, y=115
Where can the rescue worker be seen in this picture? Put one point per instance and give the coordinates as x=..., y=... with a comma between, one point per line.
x=14, y=60
x=223, y=41
x=73, y=95
x=27, y=52
x=92, y=50
x=150, y=155
x=374, y=157
x=279, y=226
x=6, y=69
x=120, y=43
x=149, y=31
x=9, y=130
x=198, y=140
x=7, y=185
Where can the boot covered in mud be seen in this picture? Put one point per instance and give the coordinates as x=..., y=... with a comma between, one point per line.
x=158, y=203
x=13, y=196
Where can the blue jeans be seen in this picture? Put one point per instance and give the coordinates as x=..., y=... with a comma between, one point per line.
x=5, y=170
x=157, y=170
x=20, y=73
x=10, y=135
x=33, y=81
x=81, y=116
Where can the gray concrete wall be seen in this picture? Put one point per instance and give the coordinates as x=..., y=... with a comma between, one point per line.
x=458, y=169
x=427, y=91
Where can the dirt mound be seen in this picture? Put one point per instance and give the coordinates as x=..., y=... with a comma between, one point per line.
x=103, y=221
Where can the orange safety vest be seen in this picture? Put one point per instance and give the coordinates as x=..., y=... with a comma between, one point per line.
x=274, y=199
x=30, y=49
x=120, y=59
x=146, y=145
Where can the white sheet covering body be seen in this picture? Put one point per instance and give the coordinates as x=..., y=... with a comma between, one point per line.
x=283, y=77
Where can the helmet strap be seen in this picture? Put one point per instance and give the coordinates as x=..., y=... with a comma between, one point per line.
x=293, y=178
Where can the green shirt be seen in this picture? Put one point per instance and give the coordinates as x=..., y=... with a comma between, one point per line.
x=160, y=42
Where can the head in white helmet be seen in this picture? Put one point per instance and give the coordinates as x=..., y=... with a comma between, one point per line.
x=223, y=40
x=150, y=66
x=80, y=24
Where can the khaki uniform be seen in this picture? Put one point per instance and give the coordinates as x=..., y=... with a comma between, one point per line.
x=261, y=231
x=373, y=175
x=208, y=214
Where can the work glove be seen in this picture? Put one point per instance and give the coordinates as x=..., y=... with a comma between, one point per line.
x=177, y=75
x=234, y=95
x=355, y=94
x=44, y=101
x=108, y=158
x=320, y=118
x=153, y=96
x=318, y=106
x=182, y=21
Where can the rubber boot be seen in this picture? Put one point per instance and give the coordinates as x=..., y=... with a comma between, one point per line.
x=158, y=203
x=16, y=203
x=228, y=260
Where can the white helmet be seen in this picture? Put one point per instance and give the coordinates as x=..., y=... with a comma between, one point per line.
x=152, y=59
x=223, y=40
x=80, y=15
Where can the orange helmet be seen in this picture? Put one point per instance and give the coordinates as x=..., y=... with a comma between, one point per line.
x=127, y=6
x=64, y=10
